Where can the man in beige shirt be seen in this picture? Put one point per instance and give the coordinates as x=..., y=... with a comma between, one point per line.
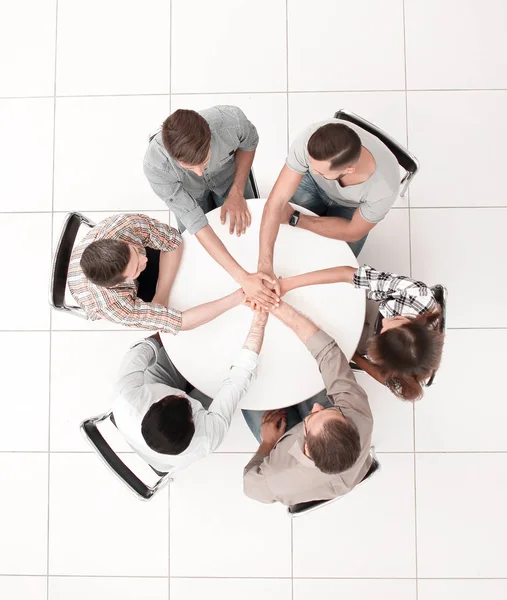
x=327, y=453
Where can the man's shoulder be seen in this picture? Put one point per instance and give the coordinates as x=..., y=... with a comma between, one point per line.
x=156, y=156
x=222, y=116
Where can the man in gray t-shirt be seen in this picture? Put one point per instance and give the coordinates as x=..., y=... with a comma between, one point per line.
x=342, y=173
x=200, y=161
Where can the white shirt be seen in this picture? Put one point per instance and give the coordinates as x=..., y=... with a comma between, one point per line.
x=134, y=396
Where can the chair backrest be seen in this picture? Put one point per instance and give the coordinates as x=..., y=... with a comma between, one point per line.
x=302, y=508
x=440, y=293
x=115, y=464
x=61, y=261
x=405, y=158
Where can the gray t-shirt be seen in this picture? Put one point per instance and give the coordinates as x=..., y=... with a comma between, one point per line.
x=181, y=189
x=375, y=196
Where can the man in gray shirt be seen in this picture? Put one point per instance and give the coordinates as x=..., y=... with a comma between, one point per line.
x=200, y=161
x=341, y=172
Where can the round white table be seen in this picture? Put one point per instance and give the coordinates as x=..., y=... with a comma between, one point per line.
x=287, y=372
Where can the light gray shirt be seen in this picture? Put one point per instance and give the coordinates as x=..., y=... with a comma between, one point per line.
x=181, y=189
x=287, y=475
x=375, y=196
x=134, y=396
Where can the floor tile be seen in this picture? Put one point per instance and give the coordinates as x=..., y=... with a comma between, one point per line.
x=67, y=321
x=315, y=46
x=23, y=588
x=108, y=588
x=388, y=245
x=27, y=130
x=30, y=237
x=98, y=527
x=331, y=589
x=355, y=529
x=104, y=171
x=209, y=494
x=226, y=50
x=456, y=412
x=24, y=514
x=268, y=112
x=27, y=48
x=443, y=50
x=122, y=67
x=24, y=425
x=85, y=365
x=461, y=530
x=458, y=247
x=393, y=419
x=464, y=589
x=446, y=177
x=231, y=589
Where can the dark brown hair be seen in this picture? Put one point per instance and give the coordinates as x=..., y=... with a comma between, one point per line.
x=104, y=261
x=408, y=355
x=187, y=136
x=168, y=427
x=337, y=143
x=336, y=447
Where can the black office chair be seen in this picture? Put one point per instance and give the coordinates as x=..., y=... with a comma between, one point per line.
x=141, y=489
x=406, y=160
x=303, y=508
x=60, y=270
x=440, y=293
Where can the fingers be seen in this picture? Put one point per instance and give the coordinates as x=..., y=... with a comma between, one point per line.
x=266, y=277
x=266, y=301
x=223, y=212
x=248, y=218
x=240, y=224
x=232, y=222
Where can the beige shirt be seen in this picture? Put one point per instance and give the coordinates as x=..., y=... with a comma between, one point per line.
x=375, y=196
x=290, y=477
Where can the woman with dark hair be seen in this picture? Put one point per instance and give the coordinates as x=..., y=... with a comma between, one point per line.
x=401, y=344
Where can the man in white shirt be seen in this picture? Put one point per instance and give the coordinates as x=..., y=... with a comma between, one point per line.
x=162, y=418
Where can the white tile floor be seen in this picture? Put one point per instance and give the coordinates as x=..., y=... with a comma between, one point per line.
x=81, y=86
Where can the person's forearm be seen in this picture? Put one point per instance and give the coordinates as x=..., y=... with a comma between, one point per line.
x=168, y=267
x=369, y=368
x=301, y=325
x=270, y=225
x=336, y=228
x=204, y=313
x=255, y=336
x=244, y=162
x=218, y=252
x=333, y=275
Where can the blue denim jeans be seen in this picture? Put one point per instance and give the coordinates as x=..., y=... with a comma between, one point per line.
x=212, y=201
x=311, y=196
x=295, y=414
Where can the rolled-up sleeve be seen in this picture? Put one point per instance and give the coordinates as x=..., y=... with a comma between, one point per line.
x=223, y=407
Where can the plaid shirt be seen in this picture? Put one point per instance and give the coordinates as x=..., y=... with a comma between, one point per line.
x=120, y=303
x=398, y=295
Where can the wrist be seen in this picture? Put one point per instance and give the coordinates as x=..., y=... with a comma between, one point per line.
x=265, y=448
x=240, y=276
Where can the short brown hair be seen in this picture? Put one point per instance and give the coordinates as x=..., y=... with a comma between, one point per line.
x=104, y=261
x=335, y=142
x=336, y=447
x=187, y=136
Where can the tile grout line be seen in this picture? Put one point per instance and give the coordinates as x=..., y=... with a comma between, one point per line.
x=169, y=223
x=241, y=453
x=287, y=124
x=222, y=92
x=411, y=270
x=51, y=310
x=262, y=578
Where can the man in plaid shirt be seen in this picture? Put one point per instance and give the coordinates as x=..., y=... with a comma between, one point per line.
x=123, y=271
